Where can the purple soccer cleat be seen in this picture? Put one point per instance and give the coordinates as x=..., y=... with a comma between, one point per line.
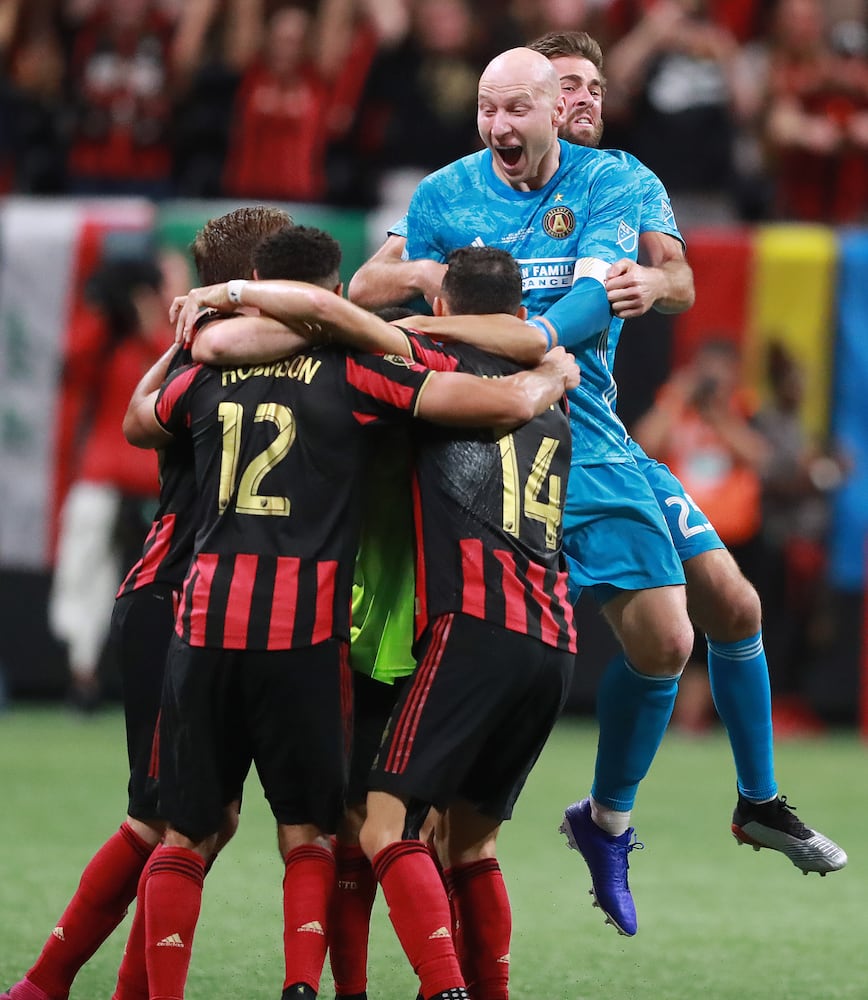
x=606, y=858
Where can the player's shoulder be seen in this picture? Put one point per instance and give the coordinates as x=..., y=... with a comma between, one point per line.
x=631, y=162
x=590, y=163
x=457, y=175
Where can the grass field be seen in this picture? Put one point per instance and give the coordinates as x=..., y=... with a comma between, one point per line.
x=716, y=921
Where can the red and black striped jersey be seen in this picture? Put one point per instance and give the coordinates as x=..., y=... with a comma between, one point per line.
x=278, y=450
x=488, y=514
x=168, y=547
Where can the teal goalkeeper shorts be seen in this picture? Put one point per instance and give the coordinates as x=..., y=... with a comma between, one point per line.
x=615, y=536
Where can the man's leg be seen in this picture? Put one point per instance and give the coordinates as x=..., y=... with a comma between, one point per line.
x=727, y=609
x=414, y=892
x=308, y=887
x=350, y=915
x=107, y=887
x=172, y=883
x=634, y=704
x=480, y=902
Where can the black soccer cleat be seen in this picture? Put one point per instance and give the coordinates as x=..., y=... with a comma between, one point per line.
x=776, y=826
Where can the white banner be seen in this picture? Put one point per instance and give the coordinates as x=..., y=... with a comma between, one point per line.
x=38, y=257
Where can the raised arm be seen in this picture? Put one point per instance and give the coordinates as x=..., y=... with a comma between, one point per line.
x=311, y=312
x=501, y=334
x=386, y=279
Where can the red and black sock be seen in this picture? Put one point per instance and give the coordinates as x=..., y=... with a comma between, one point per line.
x=350, y=920
x=481, y=899
x=107, y=887
x=173, y=898
x=308, y=886
x=419, y=911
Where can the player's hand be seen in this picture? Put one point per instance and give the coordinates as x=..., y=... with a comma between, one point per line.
x=564, y=364
x=631, y=288
x=185, y=308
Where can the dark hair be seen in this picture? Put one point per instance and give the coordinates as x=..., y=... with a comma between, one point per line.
x=111, y=287
x=300, y=253
x=391, y=313
x=223, y=247
x=482, y=280
x=570, y=43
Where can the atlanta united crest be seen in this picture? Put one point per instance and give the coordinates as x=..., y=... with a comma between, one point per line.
x=559, y=222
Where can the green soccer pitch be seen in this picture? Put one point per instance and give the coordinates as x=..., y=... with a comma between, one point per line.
x=716, y=921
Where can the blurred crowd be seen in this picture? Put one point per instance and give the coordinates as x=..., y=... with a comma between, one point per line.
x=746, y=109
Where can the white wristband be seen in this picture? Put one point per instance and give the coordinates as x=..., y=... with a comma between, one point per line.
x=234, y=288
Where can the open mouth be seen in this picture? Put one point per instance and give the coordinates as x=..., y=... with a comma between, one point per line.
x=509, y=154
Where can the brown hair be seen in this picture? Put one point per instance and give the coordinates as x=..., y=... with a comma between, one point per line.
x=570, y=43
x=223, y=247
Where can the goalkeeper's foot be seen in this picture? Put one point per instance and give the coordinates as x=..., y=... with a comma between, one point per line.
x=776, y=826
x=606, y=858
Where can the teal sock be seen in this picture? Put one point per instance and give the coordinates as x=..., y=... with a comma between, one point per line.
x=739, y=679
x=633, y=711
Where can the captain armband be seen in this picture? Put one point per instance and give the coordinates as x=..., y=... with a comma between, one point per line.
x=591, y=267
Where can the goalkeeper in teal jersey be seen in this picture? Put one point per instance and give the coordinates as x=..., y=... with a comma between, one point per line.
x=615, y=535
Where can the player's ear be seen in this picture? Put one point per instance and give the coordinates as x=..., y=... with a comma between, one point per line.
x=522, y=312
x=339, y=289
x=439, y=306
x=255, y=274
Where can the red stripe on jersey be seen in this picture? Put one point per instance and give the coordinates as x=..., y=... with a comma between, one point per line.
x=381, y=387
x=515, y=614
x=549, y=629
x=432, y=358
x=173, y=392
x=563, y=595
x=364, y=418
x=154, y=551
x=201, y=575
x=282, y=622
x=154, y=760
x=407, y=725
x=326, y=572
x=472, y=578
x=238, y=602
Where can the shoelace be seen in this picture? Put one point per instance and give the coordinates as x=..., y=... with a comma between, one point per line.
x=789, y=811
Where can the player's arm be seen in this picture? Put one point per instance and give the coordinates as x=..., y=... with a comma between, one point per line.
x=664, y=280
x=387, y=279
x=140, y=424
x=501, y=334
x=612, y=231
x=459, y=399
x=298, y=312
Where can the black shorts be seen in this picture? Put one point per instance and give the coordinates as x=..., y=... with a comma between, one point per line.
x=474, y=717
x=287, y=711
x=142, y=624
x=373, y=702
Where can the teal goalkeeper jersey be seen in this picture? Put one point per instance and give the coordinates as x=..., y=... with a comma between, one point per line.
x=564, y=236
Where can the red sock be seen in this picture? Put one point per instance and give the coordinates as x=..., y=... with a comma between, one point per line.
x=455, y=913
x=419, y=911
x=173, y=898
x=350, y=919
x=486, y=927
x=107, y=887
x=133, y=972
x=308, y=886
